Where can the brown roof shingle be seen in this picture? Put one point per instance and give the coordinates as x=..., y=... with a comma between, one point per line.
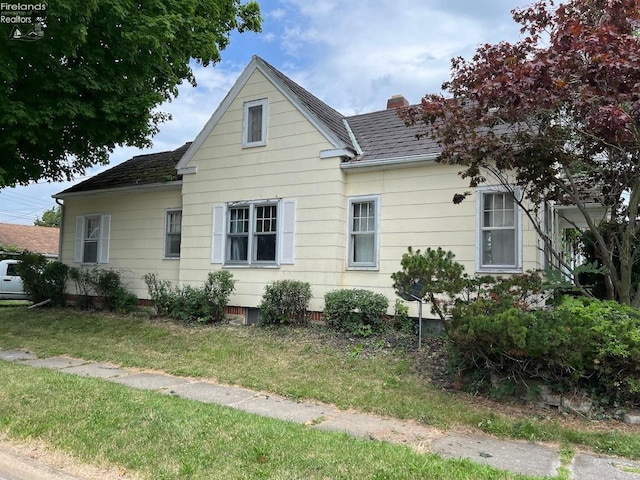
x=140, y=170
x=42, y=240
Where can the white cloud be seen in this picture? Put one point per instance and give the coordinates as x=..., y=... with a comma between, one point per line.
x=276, y=14
x=359, y=53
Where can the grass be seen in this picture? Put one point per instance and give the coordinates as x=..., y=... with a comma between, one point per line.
x=162, y=437
x=383, y=381
x=14, y=303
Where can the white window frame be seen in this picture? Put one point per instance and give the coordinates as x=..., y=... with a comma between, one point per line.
x=252, y=233
x=167, y=233
x=285, y=234
x=481, y=192
x=351, y=263
x=102, y=239
x=246, y=128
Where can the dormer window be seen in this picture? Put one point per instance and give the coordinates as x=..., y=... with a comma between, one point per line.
x=255, y=123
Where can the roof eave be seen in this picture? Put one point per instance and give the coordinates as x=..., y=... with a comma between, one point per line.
x=386, y=163
x=118, y=190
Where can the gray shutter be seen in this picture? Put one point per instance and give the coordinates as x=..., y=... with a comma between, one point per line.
x=103, y=252
x=288, y=232
x=79, y=243
x=217, y=235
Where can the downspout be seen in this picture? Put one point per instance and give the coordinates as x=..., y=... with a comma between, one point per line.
x=61, y=205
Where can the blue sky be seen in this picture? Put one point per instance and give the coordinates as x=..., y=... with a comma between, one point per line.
x=352, y=54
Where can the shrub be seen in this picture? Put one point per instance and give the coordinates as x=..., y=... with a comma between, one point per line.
x=218, y=288
x=401, y=319
x=161, y=292
x=433, y=276
x=203, y=304
x=357, y=311
x=285, y=301
x=106, y=284
x=190, y=305
x=583, y=344
x=42, y=279
x=84, y=285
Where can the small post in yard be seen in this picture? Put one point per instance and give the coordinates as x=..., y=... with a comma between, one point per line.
x=416, y=288
x=419, y=300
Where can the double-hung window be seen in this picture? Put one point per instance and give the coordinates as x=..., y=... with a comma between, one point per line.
x=92, y=239
x=252, y=232
x=254, y=123
x=255, y=233
x=499, y=231
x=173, y=233
x=363, y=232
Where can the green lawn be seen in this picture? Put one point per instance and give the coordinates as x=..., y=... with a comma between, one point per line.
x=289, y=362
x=163, y=437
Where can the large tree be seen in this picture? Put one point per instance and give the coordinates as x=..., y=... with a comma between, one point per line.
x=556, y=116
x=96, y=76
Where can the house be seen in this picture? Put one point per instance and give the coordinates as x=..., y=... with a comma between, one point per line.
x=18, y=238
x=279, y=185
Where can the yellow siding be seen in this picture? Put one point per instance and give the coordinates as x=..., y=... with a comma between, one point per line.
x=136, y=234
x=417, y=210
x=416, y=204
x=289, y=166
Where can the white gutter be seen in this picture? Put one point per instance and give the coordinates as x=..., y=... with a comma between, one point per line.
x=389, y=162
x=61, y=205
x=118, y=190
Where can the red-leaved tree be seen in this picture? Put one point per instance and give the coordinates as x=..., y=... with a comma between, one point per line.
x=557, y=116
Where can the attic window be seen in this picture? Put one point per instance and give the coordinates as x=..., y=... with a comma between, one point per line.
x=254, y=132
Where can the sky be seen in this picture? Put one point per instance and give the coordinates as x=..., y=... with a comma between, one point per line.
x=352, y=54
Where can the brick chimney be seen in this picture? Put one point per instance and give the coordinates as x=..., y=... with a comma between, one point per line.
x=397, y=101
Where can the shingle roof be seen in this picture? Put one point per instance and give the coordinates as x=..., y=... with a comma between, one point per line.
x=384, y=135
x=42, y=240
x=380, y=135
x=331, y=118
x=140, y=170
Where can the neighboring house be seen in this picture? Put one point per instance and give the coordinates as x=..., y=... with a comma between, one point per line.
x=18, y=238
x=278, y=185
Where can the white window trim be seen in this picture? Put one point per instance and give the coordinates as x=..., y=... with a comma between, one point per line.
x=102, y=256
x=245, y=123
x=375, y=265
x=166, y=233
x=480, y=192
x=285, y=233
x=251, y=234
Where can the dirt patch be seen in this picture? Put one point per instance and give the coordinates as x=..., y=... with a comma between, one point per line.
x=37, y=457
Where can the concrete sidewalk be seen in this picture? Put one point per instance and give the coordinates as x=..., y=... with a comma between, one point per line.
x=515, y=456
